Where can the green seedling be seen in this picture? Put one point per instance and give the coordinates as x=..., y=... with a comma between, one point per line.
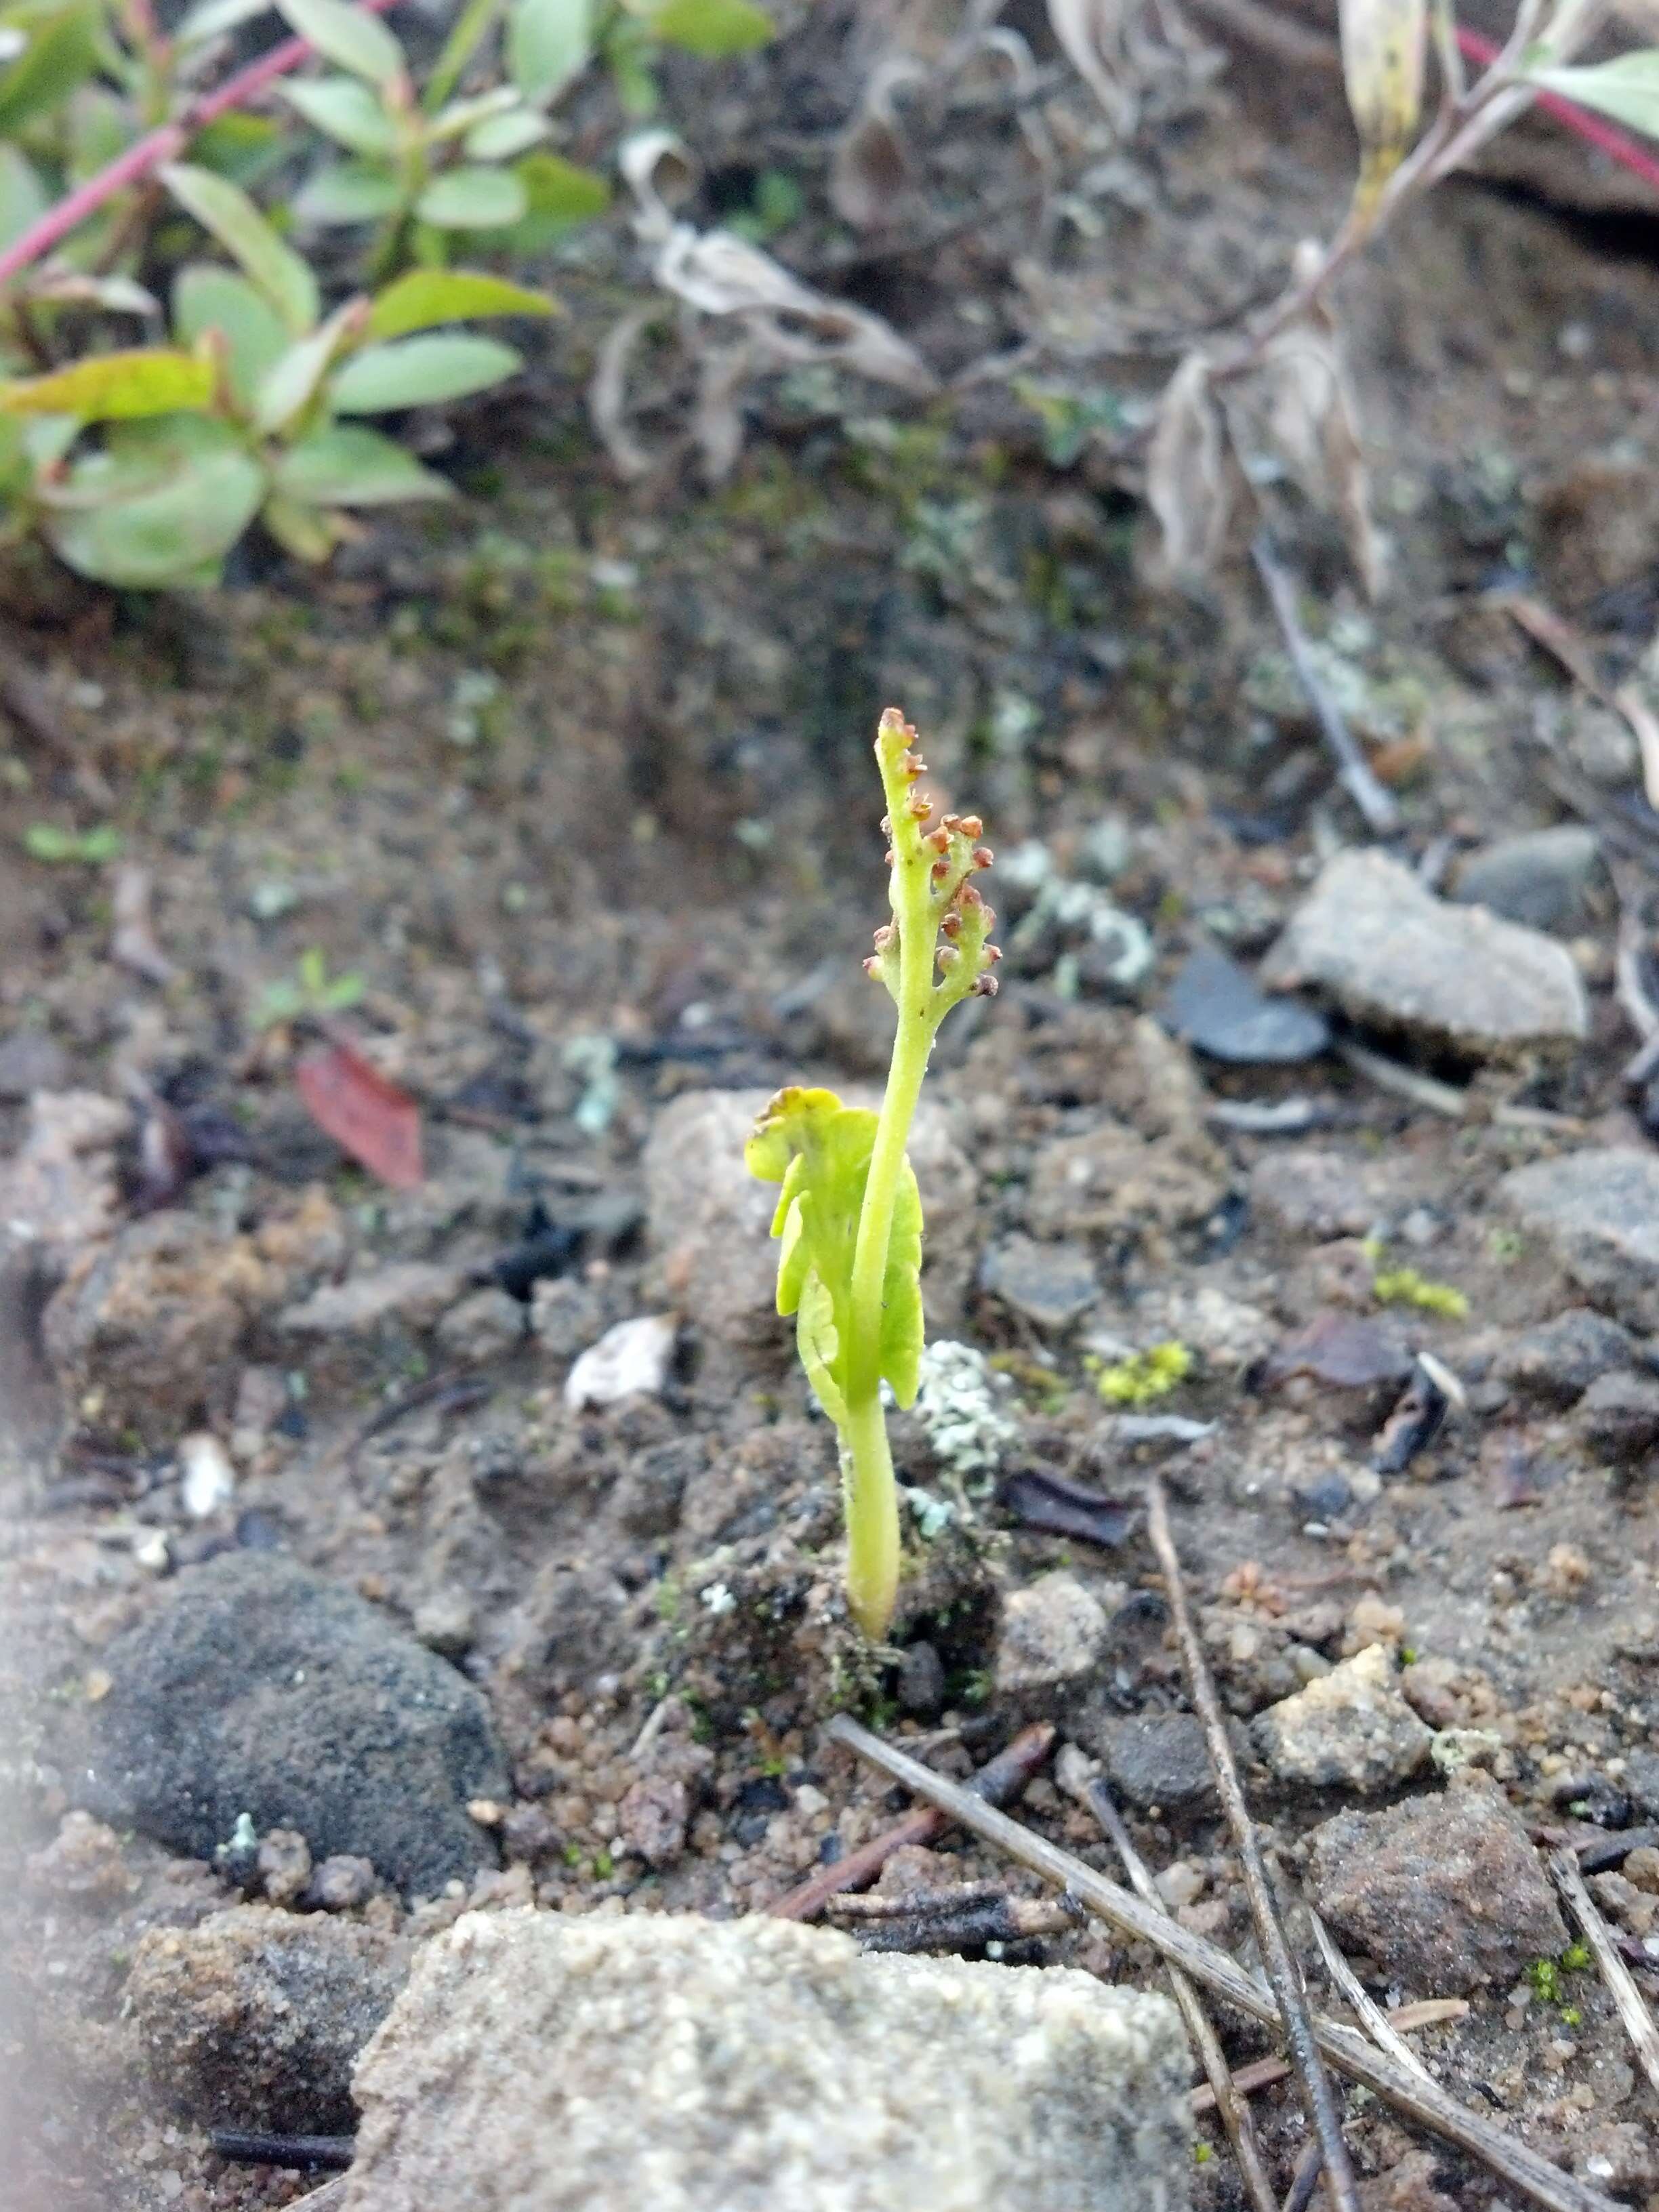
x=309, y=990
x=850, y=1215
x=87, y=848
x=1404, y=1286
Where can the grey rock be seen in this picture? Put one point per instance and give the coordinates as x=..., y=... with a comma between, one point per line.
x=1641, y=1782
x=1053, y=1633
x=1157, y=1758
x=1598, y=1212
x=283, y=1865
x=1370, y=937
x=446, y=1621
x=482, y=1328
x=1559, y=1360
x=1350, y=1729
x=413, y=1292
x=785, y=2070
x=710, y=1220
x=1541, y=879
x=1050, y=1285
x=340, y=1883
x=60, y=1188
x=921, y=1684
x=1311, y=1193
x=256, y=1686
x=1444, y=1891
x=1619, y=1416
x=255, y=2018
x=1219, y=1009
x=30, y=1060
x=567, y=1316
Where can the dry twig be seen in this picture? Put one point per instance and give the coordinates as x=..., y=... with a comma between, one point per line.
x=1353, y=770
x=1632, y=2010
x=998, y=1781
x=1282, y=1971
x=1426, y=2102
x=1263, y=2073
x=1371, y=2014
x=1230, y=2102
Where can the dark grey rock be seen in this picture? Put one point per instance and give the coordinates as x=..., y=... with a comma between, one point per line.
x=1156, y=1759
x=1217, y=1006
x=1598, y=1212
x=922, y=1682
x=1559, y=1360
x=1386, y=951
x=1444, y=1891
x=1050, y=1285
x=1540, y=878
x=255, y=2018
x=1620, y=1415
x=1641, y=1782
x=256, y=1687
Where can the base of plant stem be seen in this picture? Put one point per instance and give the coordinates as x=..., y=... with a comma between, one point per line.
x=869, y=1498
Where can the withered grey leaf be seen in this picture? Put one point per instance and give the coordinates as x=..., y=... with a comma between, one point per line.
x=607, y=392
x=1188, y=481
x=1090, y=35
x=869, y=170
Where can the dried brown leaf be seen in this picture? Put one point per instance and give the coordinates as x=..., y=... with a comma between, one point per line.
x=870, y=169
x=1188, y=480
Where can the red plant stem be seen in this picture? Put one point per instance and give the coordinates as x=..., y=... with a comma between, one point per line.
x=158, y=146
x=1607, y=138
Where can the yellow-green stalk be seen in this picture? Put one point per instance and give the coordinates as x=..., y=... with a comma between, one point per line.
x=848, y=1214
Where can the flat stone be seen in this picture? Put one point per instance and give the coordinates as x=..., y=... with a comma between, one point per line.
x=1220, y=1010
x=483, y=1327
x=1444, y=1891
x=1540, y=878
x=1598, y=1212
x=666, y=2060
x=1370, y=938
x=255, y=1687
x=1559, y=1360
x=1310, y=1192
x=413, y=1292
x=1350, y=1729
x=30, y=1060
x=59, y=1189
x=255, y=2018
x=1050, y=1285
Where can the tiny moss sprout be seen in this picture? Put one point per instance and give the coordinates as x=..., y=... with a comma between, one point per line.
x=848, y=1214
x=1144, y=1377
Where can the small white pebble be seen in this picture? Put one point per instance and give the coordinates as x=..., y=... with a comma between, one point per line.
x=630, y=1360
x=719, y=1598
x=206, y=1479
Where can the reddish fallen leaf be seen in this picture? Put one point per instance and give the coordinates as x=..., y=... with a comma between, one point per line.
x=364, y=1111
x=1338, y=1348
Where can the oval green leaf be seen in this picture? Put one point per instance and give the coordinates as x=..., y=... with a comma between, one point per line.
x=347, y=37
x=1626, y=89
x=207, y=298
x=347, y=466
x=113, y=388
x=427, y=296
x=209, y=19
x=62, y=53
x=292, y=382
x=348, y=193
x=345, y=110
x=225, y=210
x=548, y=43
x=473, y=199
x=174, y=533
x=499, y=137
x=420, y=372
x=713, y=29
x=23, y=196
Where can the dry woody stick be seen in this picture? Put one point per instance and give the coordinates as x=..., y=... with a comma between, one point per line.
x=1235, y=2113
x=998, y=1781
x=1426, y=2102
x=1318, y=2095
x=1638, y=2021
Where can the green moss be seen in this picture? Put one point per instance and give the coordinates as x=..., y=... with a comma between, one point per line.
x=1405, y=1286
x=1144, y=1377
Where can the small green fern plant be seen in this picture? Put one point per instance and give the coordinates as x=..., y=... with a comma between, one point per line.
x=849, y=1214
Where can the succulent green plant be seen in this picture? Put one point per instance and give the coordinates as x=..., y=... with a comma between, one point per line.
x=849, y=1214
